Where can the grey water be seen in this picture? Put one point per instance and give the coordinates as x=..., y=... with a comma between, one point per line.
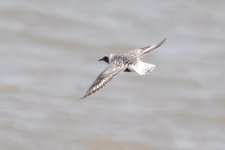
x=48, y=59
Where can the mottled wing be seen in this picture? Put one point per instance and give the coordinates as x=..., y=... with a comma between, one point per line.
x=139, y=53
x=107, y=75
x=148, y=49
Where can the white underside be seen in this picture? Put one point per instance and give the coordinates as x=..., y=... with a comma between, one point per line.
x=142, y=68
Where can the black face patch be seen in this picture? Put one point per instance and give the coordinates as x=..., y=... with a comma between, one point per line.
x=105, y=59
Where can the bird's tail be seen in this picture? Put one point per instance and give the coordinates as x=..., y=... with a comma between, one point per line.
x=142, y=68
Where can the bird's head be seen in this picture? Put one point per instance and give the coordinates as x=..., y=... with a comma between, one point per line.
x=105, y=59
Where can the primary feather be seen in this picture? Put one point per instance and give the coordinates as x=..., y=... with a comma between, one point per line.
x=107, y=75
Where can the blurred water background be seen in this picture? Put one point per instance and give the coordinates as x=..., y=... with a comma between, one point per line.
x=48, y=58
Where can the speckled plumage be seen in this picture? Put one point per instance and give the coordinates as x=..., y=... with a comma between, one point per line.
x=129, y=61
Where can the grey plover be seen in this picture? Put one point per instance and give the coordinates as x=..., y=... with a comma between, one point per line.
x=128, y=62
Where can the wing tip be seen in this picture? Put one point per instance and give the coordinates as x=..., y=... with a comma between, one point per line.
x=162, y=41
x=159, y=44
x=86, y=95
x=151, y=47
x=81, y=98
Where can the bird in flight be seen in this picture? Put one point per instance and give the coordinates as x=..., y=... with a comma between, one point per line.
x=128, y=62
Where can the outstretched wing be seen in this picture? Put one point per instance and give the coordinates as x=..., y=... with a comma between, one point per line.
x=140, y=52
x=107, y=75
x=148, y=49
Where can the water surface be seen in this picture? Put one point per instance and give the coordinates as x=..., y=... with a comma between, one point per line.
x=48, y=59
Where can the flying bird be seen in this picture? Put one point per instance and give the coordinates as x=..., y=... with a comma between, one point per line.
x=128, y=62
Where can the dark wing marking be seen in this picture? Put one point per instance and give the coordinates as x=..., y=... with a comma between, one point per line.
x=148, y=49
x=107, y=75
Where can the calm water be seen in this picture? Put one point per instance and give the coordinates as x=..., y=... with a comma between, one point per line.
x=48, y=58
